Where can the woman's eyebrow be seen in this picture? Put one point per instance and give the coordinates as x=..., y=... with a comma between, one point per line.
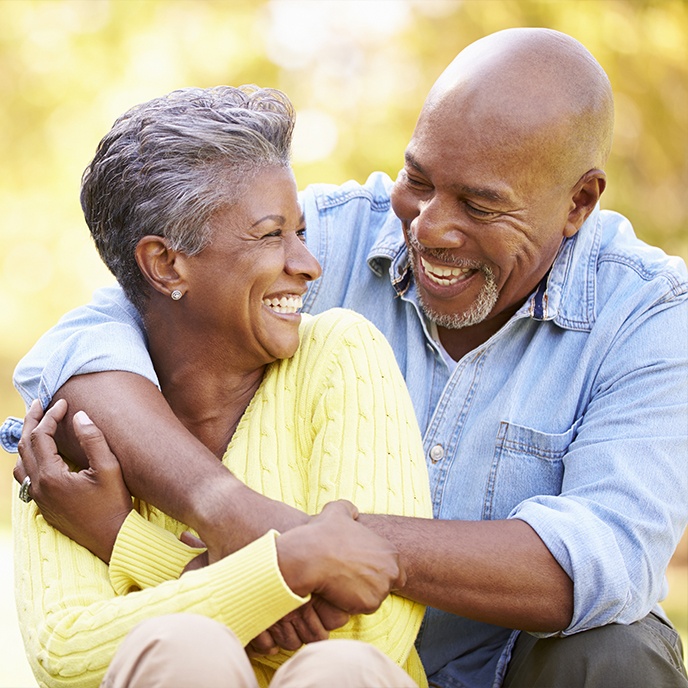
x=278, y=219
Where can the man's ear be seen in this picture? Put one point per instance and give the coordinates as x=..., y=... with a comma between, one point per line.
x=161, y=265
x=586, y=193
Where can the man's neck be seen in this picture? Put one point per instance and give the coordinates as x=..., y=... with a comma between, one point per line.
x=458, y=343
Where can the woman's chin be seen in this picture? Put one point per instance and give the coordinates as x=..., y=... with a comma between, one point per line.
x=280, y=334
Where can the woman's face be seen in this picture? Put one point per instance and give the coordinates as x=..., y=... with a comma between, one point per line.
x=245, y=287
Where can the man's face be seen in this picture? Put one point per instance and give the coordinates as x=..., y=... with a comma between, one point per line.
x=482, y=219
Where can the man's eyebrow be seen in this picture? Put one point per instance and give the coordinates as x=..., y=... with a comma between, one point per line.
x=463, y=189
x=488, y=194
x=412, y=162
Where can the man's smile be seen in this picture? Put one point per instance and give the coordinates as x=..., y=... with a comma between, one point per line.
x=445, y=275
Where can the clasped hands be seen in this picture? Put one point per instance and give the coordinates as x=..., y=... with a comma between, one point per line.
x=346, y=568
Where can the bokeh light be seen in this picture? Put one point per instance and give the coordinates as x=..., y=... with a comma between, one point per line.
x=357, y=72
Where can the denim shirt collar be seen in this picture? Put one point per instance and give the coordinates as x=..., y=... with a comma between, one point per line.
x=566, y=295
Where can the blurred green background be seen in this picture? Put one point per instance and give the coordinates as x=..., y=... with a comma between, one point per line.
x=357, y=72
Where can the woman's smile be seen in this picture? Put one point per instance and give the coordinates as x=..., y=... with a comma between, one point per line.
x=286, y=304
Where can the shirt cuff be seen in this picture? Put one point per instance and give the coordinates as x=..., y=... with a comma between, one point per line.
x=249, y=583
x=146, y=555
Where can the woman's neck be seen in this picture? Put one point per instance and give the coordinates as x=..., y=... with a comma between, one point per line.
x=204, y=387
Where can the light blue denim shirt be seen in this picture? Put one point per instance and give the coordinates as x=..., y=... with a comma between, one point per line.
x=573, y=417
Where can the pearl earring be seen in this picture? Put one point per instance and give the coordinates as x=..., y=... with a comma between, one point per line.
x=176, y=295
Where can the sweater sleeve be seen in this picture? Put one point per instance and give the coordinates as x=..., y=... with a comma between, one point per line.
x=72, y=620
x=364, y=445
x=145, y=555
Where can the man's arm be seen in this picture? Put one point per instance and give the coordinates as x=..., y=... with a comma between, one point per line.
x=499, y=572
x=163, y=463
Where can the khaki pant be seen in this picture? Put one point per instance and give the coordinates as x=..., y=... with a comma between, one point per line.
x=190, y=651
x=644, y=654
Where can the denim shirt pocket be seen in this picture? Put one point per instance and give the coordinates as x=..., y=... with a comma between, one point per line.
x=526, y=463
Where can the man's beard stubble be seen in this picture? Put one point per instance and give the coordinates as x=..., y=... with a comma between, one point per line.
x=480, y=308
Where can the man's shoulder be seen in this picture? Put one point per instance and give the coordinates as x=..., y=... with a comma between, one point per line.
x=621, y=247
x=354, y=234
x=374, y=193
x=608, y=269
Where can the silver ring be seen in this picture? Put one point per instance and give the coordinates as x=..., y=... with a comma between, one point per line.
x=24, y=490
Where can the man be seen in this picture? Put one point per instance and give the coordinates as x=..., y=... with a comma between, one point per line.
x=545, y=350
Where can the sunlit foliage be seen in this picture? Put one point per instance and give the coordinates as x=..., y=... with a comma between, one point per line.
x=357, y=71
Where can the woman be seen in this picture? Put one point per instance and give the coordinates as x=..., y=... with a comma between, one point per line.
x=192, y=205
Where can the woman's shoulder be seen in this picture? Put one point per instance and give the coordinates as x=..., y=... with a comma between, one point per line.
x=336, y=335
x=334, y=324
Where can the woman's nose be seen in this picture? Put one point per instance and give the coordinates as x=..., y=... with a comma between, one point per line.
x=300, y=261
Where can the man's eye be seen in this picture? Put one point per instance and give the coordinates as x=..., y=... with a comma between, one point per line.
x=301, y=233
x=416, y=183
x=276, y=233
x=479, y=212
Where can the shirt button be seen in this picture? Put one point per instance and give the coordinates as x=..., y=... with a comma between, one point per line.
x=436, y=453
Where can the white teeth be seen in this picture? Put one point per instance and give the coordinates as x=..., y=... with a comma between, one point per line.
x=444, y=275
x=284, y=304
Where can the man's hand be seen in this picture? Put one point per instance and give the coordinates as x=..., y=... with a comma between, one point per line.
x=89, y=506
x=341, y=560
x=349, y=569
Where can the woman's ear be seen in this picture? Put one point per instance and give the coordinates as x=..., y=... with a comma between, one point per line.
x=161, y=265
x=586, y=193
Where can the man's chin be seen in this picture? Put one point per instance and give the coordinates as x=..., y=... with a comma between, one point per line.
x=452, y=321
x=477, y=313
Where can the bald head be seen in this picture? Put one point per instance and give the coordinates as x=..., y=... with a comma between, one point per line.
x=538, y=88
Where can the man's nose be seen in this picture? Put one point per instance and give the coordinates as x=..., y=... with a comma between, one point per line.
x=438, y=224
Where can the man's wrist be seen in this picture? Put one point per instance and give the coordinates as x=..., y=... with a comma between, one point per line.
x=230, y=515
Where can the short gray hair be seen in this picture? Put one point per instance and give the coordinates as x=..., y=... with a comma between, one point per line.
x=167, y=165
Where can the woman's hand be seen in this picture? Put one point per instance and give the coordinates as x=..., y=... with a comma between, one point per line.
x=309, y=623
x=88, y=506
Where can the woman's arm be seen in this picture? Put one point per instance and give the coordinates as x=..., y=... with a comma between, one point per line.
x=72, y=620
x=156, y=555
x=166, y=466
x=88, y=506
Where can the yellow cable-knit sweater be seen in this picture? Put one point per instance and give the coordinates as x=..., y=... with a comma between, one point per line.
x=334, y=421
